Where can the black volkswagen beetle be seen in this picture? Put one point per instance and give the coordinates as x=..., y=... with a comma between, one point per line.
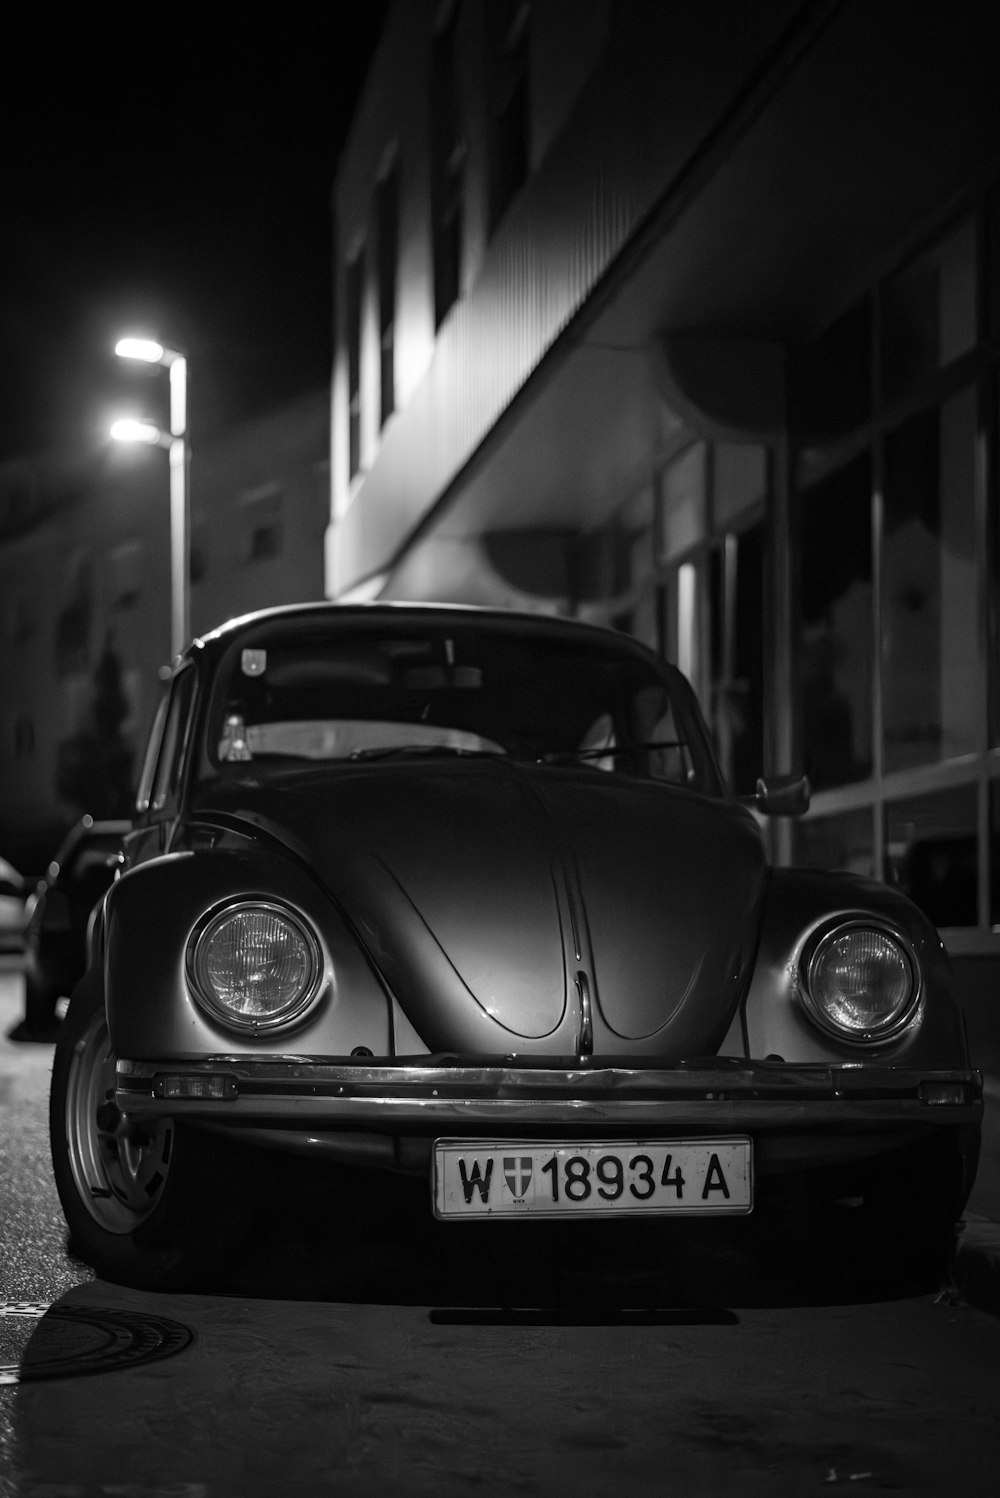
x=459, y=893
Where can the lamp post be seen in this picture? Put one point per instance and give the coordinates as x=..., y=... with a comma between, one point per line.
x=176, y=443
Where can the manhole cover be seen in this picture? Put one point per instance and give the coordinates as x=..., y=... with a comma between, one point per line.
x=65, y=1341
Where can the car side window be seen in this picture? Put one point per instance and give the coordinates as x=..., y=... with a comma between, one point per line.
x=151, y=755
x=600, y=736
x=655, y=725
x=164, y=751
x=168, y=766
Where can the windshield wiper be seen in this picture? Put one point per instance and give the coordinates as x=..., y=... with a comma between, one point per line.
x=615, y=751
x=424, y=751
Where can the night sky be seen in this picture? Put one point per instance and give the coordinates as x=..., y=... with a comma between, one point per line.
x=172, y=180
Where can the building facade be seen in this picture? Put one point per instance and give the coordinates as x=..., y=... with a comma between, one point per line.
x=85, y=600
x=685, y=317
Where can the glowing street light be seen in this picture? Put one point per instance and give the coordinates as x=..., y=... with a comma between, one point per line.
x=131, y=430
x=128, y=429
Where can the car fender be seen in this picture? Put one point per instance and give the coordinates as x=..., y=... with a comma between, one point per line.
x=799, y=905
x=151, y=915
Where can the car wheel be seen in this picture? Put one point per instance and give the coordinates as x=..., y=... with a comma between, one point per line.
x=148, y=1210
x=905, y=1230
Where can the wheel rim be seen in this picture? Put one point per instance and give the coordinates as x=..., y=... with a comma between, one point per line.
x=120, y=1181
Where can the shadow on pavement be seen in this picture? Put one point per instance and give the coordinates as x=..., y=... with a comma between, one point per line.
x=353, y=1237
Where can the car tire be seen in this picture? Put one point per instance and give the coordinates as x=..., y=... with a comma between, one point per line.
x=905, y=1231
x=167, y=1212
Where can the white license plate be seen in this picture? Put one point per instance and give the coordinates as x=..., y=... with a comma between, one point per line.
x=475, y=1179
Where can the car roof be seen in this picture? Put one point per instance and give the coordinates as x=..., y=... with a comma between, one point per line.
x=417, y=615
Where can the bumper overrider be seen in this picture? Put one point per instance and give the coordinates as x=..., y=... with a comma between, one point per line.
x=388, y=1115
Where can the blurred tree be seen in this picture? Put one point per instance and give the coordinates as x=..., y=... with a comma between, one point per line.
x=95, y=765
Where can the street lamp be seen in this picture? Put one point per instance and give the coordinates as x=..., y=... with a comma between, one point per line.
x=176, y=443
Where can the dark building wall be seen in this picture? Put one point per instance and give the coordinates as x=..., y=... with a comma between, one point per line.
x=725, y=375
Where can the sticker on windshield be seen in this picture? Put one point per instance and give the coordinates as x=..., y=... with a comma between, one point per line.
x=253, y=662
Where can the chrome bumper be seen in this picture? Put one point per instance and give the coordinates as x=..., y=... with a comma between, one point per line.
x=437, y=1094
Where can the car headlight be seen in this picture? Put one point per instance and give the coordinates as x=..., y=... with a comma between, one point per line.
x=255, y=966
x=860, y=982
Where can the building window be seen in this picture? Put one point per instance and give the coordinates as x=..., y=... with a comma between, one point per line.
x=263, y=525
x=932, y=671
x=447, y=167
x=387, y=245
x=681, y=566
x=898, y=587
x=842, y=841
x=736, y=615
x=931, y=853
x=355, y=281
x=510, y=142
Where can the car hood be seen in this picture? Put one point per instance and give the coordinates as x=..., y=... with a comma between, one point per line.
x=529, y=908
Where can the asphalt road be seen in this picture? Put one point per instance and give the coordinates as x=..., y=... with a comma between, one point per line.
x=416, y=1361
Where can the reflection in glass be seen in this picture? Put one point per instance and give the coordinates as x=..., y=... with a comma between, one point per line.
x=933, y=679
x=839, y=842
x=993, y=251
x=835, y=628
x=736, y=613
x=931, y=853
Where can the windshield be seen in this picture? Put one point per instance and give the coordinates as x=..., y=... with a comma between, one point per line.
x=305, y=692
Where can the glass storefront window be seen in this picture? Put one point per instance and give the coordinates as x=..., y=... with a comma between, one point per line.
x=835, y=625
x=688, y=634
x=931, y=853
x=843, y=841
x=736, y=614
x=929, y=312
x=933, y=676
x=993, y=279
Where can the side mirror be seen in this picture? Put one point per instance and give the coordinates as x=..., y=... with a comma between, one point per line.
x=782, y=795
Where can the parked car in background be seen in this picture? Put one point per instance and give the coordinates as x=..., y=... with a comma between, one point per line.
x=13, y=892
x=460, y=893
x=58, y=914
